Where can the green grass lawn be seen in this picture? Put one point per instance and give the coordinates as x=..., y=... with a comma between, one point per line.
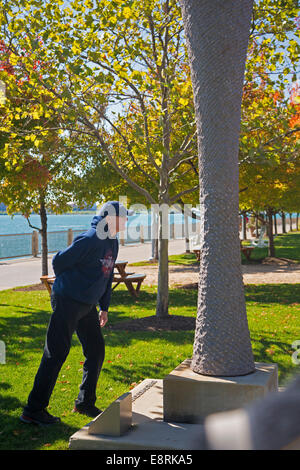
x=130, y=358
x=183, y=259
x=286, y=246
x=274, y=322
x=273, y=314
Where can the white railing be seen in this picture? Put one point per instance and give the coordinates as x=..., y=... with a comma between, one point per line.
x=29, y=244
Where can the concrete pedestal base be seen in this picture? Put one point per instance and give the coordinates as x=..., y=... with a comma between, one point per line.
x=167, y=414
x=189, y=397
x=148, y=430
x=116, y=419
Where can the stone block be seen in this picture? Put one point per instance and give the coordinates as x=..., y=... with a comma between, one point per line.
x=116, y=419
x=189, y=397
x=148, y=431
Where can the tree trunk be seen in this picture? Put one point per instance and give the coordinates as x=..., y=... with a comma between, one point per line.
x=271, y=249
x=156, y=249
x=275, y=224
x=244, y=226
x=162, y=303
x=283, y=222
x=291, y=223
x=217, y=35
x=154, y=236
x=186, y=233
x=43, y=232
x=297, y=221
x=256, y=225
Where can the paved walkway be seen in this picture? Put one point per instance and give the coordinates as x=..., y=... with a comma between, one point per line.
x=23, y=272
x=27, y=271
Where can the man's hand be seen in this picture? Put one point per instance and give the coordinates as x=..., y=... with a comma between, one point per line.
x=103, y=318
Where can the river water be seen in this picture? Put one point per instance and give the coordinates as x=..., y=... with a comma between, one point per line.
x=14, y=244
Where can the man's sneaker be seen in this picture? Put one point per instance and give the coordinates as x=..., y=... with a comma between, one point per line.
x=88, y=410
x=39, y=417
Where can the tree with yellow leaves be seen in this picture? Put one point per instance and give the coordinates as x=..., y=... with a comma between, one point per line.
x=111, y=63
x=269, y=153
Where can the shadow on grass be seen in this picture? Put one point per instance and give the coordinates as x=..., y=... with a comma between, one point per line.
x=264, y=350
x=117, y=338
x=25, y=328
x=24, y=332
x=30, y=328
x=290, y=239
x=119, y=373
x=286, y=246
x=273, y=293
x=147, y=298
x=15, y=435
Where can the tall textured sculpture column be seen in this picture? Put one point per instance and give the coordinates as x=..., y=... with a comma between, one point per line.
x=217, y=33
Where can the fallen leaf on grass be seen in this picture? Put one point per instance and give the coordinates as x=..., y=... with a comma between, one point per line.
x=132, y=385
x=270, y=351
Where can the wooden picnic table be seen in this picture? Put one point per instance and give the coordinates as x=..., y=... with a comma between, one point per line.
x=198, y=254
x=121, y=267
x=48, y=281
x=129, y=279
x=120, y=275
x=247, y=250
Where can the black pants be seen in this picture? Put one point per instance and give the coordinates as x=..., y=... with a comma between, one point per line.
x=69, y=316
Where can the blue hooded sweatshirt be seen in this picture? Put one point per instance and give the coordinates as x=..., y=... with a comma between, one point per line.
x=84, y=271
